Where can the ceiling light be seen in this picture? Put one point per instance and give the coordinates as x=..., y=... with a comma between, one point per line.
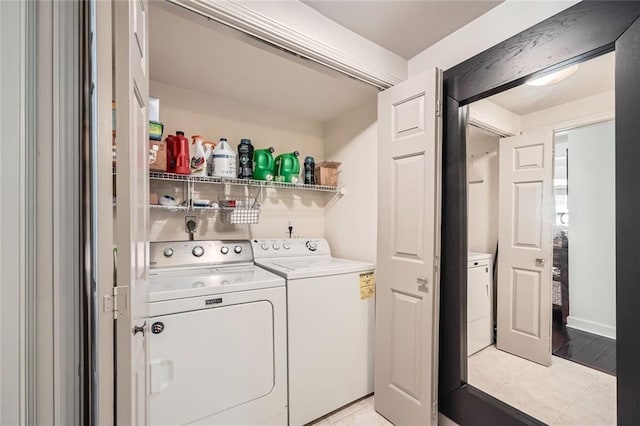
x=554, y=77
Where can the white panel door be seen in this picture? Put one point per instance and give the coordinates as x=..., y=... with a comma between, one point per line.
x=132, y=187
x=408, y=229
x=525, y=246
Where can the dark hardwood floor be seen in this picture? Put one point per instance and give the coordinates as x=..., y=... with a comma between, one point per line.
x=584, y=348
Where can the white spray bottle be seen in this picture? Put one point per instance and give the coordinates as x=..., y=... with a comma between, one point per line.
x=199, y=158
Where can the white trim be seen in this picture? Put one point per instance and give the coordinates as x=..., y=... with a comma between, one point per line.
x=591, y=327
x=16, y=225
x=241, y=17
x=58, y=258
x=105, y=356
x=587, y=120
x=66, y=211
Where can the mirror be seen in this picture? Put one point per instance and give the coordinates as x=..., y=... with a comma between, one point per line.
x=541, y=240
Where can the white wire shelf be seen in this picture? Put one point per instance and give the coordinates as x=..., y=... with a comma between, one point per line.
x=239, y=215
x=245, y=182
x=170, y=208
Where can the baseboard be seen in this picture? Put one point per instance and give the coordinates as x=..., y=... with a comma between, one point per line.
x=591, y=327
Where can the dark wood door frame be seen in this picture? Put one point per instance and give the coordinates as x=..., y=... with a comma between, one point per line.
x=582, y=32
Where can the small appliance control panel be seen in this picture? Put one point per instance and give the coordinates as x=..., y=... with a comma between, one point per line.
x=168, y=254
x=290, y=247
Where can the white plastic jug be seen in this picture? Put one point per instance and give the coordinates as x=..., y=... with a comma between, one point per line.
x=224, y=160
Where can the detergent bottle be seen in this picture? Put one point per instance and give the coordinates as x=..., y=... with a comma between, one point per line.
x=264, y=164
x=178, y=154
x=245, y=159
x=288, y=167
x=309, y=171
x=199, y=157
x=224, y=160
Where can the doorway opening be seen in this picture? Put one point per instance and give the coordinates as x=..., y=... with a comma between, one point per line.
x=584, y=251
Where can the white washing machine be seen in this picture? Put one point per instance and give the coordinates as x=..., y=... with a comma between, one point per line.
x=479, y=301
x=218, y=336
x=330, y=306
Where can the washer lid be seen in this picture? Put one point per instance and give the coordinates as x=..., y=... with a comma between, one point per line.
x=313, y=266
x=472, y=255
x=180, y=283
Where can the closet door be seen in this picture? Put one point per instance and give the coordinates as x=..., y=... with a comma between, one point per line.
x=524, y=238
x=408, y=229
x=132, y=186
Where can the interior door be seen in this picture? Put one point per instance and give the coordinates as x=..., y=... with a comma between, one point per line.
x=131, y=96
x=408, y=227
x=525, y=246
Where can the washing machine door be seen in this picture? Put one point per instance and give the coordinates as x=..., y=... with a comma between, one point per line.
x=207, y=362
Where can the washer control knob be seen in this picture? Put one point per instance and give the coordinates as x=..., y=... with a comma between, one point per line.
x=275, y=246
x=197, y=251
x=224, y=250
x=264, y=246
x=168, y=252
x=312, y=246
x=237, y=249
x=286, y=246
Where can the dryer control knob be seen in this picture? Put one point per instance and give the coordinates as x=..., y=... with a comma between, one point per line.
x=276, y=246
x=237, y=249
x=312, y=246
x=224, y=250
x=286, y=246
x=197, y=251
x=168, y=252
x=264, y=246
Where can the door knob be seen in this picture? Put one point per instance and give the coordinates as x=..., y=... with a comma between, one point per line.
x=539, y=261
x=140, y=329
x=423, y=284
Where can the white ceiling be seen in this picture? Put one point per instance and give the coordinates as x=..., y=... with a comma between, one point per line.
x=403, y=27
x=199, y=57
x=592, y=77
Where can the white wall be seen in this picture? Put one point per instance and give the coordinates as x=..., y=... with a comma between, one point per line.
x=592, y=250
x=503, y=21
x=482, y=153
x=213, y=117
x=592, y=108
x=351, y=222
x=494, y=118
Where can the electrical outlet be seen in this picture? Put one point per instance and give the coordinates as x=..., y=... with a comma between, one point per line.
x=188, y=219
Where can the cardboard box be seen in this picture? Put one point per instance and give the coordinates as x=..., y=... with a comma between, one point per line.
x=327, y=173
x=157, y=156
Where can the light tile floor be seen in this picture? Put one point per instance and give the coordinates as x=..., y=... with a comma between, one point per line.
x=359, y=413
x=566, y=393
x=362, y=413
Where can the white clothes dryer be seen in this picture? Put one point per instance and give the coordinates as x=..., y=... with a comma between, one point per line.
x=330, y=323
x=218, y=343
